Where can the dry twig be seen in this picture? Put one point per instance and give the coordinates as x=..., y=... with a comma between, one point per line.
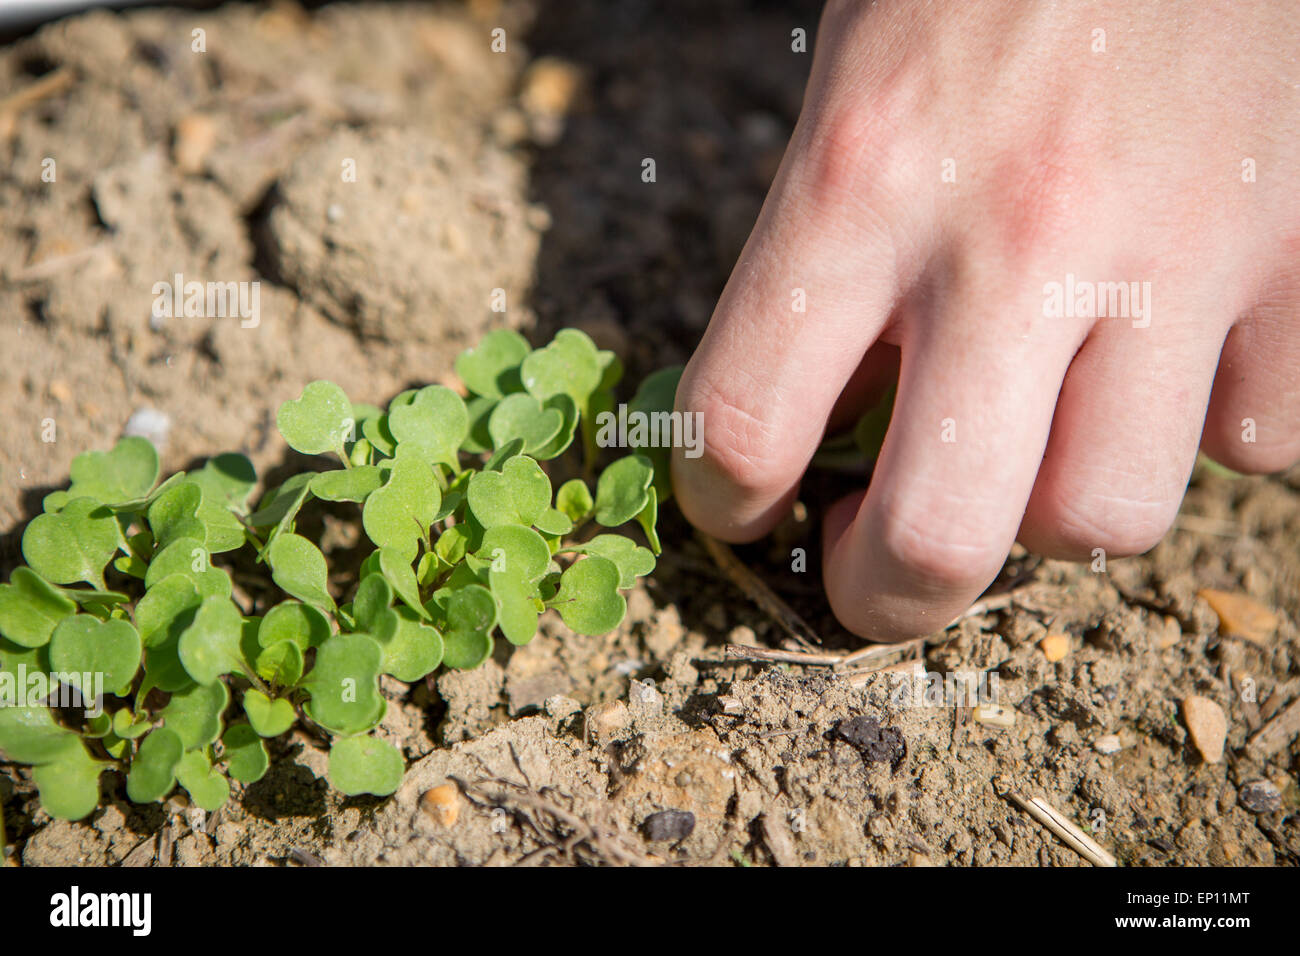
x=1069, y=834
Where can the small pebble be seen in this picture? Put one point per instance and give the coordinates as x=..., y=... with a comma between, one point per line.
x=1170, y=635
x=149, y=423
x=1240, y=616
x=1207, y=725
x=334, y=212
x=605, y=721
x=1260, y=796
x=1108, y=745
x=672, y=825
x=991, y=715
x=1055, y=647
x=730, y=705
x=195, y=137
x=442, y=803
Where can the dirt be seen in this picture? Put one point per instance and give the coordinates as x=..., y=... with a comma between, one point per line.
x=521, y=171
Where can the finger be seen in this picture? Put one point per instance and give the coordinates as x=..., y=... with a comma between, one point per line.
x=814, y=286
x=1125, y=435
x=1253, y=423
x=980, y=373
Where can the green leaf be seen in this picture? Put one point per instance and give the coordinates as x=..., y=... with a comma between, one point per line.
x=469, y=614
x=298, y=567
x=125, y=725
x=227, y=481
x=164, y=613
x=374, y=596
x=491, y=369
x=344, y=684
x=657, y=394
x=517, y=610
x=206, y=787
x=281, y=506
x=574, y=499
x=554, y=523
x=153, y=771
x=246, y=757
x=564, y=437
x=588, y=599
x=318, y=421
x=190, y=558
x=648, y=517
x=453, y=544
x=74, y=544
x=30, y=608
x=622, y=490
x=28, y=734
x=398, y=515
x=195, y=713
x=397, y=570
x=632, y=560
x=570, y=366
x=517, y=550
x=522, y=416
x=869, y=433
x=270, y=718
x=302, y=624
x=210, y=645
x=431, y=425
x=347, y=484
x=175, y=514
x=84, y=645
x=503, y=454
x=69, y=785
x=412, y=649
x=365, y=765
x=478, y=440
x=517, y=494
x=280, y=663
x=123, y=474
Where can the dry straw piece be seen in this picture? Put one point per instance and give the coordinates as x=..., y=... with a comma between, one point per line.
x=1069, y=834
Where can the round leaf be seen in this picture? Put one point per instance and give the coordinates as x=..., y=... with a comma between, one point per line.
x=318, y=421
x=491, y=368
x=365, y=765
x=210, y=645
x=74, y=544
x=344, y=684
x=270, y=718
x=298, y=567
x=246, y=757
x=153, y=771
x=195, y=713
x=517, y=494
x=30, y=608
x=623, y=490
x=588, y=599
x=85, y=645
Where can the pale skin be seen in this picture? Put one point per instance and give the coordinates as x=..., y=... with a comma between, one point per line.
x=1170, y=157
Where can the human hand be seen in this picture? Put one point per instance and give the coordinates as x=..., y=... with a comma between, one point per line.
x=960, y=177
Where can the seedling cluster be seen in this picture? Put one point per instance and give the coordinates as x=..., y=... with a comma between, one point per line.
x=128, y=585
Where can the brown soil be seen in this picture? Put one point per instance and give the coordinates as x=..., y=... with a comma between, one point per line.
x=521, y=171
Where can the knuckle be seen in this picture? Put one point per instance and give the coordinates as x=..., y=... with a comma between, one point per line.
x=1121, y=525
x=739, y=444
x=939, y=554
x=852, y=153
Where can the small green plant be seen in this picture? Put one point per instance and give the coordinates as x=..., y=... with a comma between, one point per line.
x=128, y=588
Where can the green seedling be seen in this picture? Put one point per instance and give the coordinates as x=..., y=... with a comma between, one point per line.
x=127, y=590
